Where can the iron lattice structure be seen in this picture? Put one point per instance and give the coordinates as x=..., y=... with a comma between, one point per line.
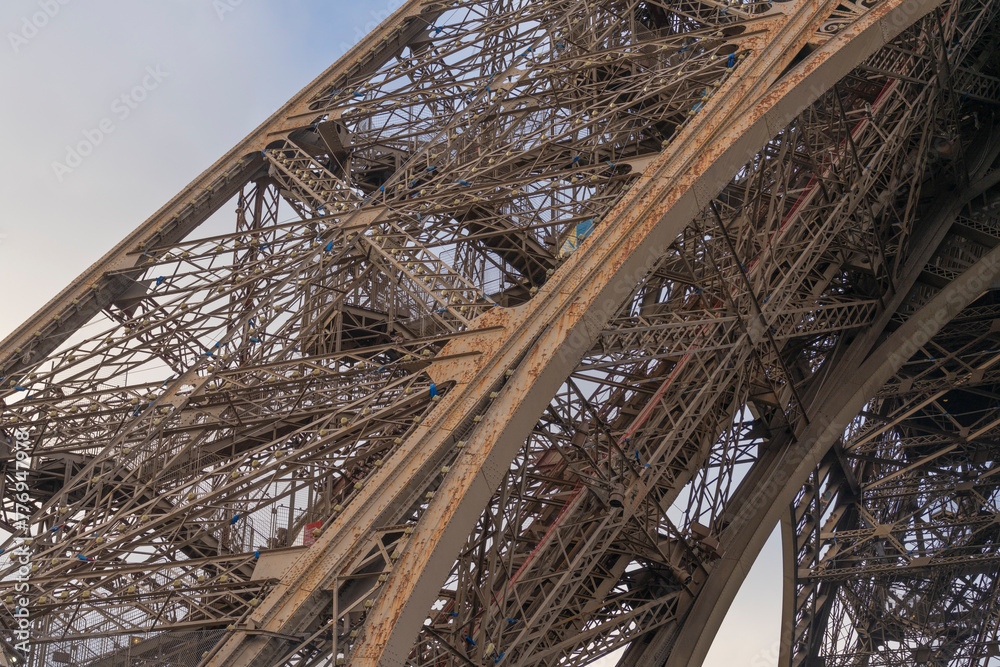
x=511, y=338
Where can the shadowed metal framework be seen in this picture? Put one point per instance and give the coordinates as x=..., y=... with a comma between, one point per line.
x=511, y=338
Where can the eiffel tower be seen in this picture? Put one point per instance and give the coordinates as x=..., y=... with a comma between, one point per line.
x=511, y=338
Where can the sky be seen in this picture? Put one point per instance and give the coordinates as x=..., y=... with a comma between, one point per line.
x=161, y=90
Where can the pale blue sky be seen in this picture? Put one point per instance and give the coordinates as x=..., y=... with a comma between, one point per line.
x=208, y=76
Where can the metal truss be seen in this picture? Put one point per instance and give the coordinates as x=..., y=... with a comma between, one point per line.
x=511, y=338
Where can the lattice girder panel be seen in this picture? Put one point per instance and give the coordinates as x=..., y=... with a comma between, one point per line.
x=901, y=567
x=430, y=240
x=258, y=327
x=956, y=240
x=232, y=316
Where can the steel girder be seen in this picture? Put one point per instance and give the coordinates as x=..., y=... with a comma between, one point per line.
x=526, y=308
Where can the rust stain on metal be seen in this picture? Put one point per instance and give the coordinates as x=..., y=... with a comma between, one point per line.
x=462, y=357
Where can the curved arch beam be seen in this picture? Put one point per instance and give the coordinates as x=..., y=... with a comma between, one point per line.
x=541, y=342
